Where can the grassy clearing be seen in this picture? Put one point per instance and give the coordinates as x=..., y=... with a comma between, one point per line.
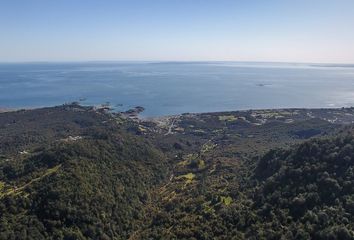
x=229, y=118
x=226, y=200
x=184, y=163
x=189, y=177
x=201, y=164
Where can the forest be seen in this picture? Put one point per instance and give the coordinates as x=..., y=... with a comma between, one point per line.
x=74, y=172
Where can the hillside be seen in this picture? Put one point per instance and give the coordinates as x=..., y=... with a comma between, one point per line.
x=302, y=192
x=73, y=172
x=88, y=187
x=307, y=192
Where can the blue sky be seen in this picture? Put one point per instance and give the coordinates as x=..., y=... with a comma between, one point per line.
x=190, y=30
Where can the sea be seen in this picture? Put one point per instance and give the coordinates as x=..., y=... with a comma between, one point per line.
x=168, y=88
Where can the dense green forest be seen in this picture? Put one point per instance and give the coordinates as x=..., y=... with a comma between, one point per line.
x=73, y=172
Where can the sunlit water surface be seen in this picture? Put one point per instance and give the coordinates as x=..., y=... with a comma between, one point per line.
x=177, y=87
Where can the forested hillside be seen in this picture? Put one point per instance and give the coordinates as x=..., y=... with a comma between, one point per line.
x=73, y=172
x=308, y=190
x=90, y=187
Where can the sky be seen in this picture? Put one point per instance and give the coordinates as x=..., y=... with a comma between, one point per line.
x=177, y=30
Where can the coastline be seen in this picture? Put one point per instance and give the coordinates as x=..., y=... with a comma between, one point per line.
x=135, y=113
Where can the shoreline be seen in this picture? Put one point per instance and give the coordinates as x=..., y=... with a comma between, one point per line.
x=135, y=112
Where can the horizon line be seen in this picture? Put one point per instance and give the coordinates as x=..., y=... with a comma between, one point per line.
x=167, y=61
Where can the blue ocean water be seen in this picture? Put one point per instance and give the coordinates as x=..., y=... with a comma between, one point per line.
x=177, y=87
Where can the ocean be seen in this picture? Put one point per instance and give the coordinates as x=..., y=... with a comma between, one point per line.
x=166, y=88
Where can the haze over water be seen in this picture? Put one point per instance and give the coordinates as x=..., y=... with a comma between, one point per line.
x=177, y=87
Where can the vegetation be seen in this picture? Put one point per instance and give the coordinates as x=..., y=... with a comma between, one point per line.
x=73, y=172
x=308, y=190
x=94, y=188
